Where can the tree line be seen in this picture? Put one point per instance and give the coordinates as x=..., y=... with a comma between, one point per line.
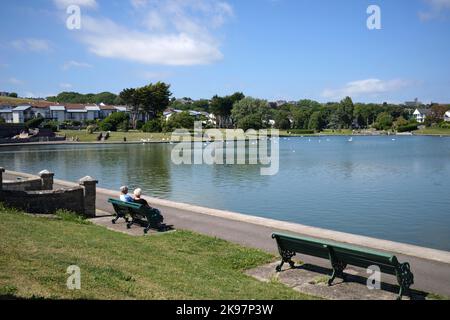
x=238, y=111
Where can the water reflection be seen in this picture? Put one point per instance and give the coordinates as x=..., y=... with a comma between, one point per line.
x=373, y=186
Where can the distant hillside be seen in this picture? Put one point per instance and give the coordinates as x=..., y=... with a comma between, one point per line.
x=90, y=98
x=19, y=101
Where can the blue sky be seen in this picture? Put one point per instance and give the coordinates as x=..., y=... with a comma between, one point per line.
x=272, y=49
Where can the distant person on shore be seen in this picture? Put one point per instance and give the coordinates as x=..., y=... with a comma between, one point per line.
x=124, y=196
x=137, y=197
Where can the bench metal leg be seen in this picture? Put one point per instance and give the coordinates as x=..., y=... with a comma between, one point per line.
x=286, y=256
x=130, y=223
x=337, y=265
x=405, y=279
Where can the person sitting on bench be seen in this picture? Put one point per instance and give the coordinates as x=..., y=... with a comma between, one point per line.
x=137, y=197
x=124, y=196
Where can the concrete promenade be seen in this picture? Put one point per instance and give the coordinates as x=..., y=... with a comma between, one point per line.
x=431, y=267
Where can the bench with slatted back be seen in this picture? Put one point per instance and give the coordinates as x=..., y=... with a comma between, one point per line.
x=138, y=213
x=341, y=255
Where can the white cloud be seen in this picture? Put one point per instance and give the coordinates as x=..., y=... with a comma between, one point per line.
x=139, y=3
x=177, y=33
x=368, y=87
x=436, y=9
x=15, y=81
x=65, y=85
x=31, y=44
x=62, y=4
x=75, y=64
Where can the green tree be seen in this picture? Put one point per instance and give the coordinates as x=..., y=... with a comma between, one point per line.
x=316, y=121
x=250, y=111
x=13, y=95
x=222, y=108
x=115, y=121
x=153, y=99
x=182, y=120
x=282, y=120
x=129, y=97
x=301, y=118
x=345, y=112
x=384, y=121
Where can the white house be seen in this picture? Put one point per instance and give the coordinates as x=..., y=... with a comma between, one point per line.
x=447, y=116
x=6, y=114
x=58, y=113
x=92, y=112
x=22, y=114
x=421, y=114
x=76, y=115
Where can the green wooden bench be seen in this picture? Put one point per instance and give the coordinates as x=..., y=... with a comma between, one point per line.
x=341, y=255
x=138, y=213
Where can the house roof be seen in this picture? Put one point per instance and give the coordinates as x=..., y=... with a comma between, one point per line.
x=121, y=108
x=57, y=108
x=6, y=110
x=423, y=111
x=21, y=108
x=92, y=108
x=447, y=114
x=76, y=111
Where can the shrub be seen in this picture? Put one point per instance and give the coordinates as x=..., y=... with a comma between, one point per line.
x=152, y=126
x=139, y=124
x=116, y=120
x=180, y=120
x=34, y=123
x=52, y=125
x=91, y=129
x=408, y=128
x=106, y=126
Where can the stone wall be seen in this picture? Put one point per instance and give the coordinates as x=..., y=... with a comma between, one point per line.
x=44, y=182
x=37, y=195
x=45, y=202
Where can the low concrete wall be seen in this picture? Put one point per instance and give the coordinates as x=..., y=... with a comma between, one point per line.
x=45, y=202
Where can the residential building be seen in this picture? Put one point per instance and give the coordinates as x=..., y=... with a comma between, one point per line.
x=447, y=116
x=6, y=114
x=22, y=114
x=421, y=114
x=58, y=113
x=92, y=112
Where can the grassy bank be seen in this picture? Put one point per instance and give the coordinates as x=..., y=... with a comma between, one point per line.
x=36, y=251
x=131, y=136
x=137, y=136
x=433, y=131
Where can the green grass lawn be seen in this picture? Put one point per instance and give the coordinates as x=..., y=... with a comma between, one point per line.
x=36, y=251
x=132, y=136
x=434, y=131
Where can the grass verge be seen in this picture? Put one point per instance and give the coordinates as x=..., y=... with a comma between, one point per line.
x=35, y=253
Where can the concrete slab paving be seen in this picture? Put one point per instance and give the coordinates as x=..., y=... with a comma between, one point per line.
x=311, y=279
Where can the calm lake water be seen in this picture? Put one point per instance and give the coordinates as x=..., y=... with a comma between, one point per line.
x=374, y=186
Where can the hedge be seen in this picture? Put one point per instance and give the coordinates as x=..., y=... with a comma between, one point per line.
x=408, y=128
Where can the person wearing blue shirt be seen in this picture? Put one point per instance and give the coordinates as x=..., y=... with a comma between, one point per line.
x=124, y=196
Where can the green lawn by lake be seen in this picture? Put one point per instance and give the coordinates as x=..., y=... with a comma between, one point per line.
x=36, y=251
x=137, y=136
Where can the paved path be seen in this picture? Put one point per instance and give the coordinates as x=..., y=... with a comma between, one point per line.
x=430, y=275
